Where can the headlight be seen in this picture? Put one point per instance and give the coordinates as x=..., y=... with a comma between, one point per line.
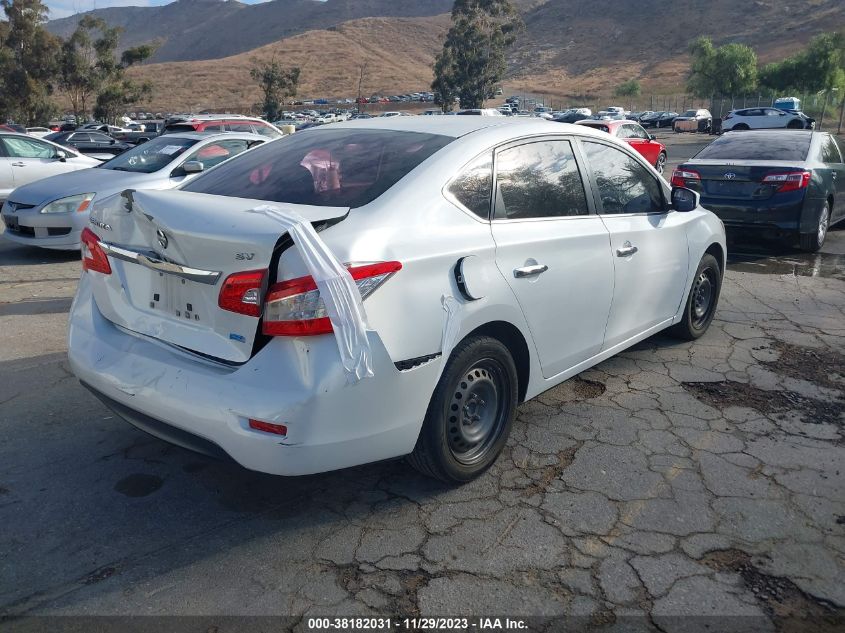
x=70, y=204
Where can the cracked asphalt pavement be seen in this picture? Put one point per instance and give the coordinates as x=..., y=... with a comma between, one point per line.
x=674, y=480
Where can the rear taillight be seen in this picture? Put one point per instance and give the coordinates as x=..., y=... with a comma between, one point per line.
x=94, y=258
x=241, y=292
x=295, y=308
x=680, y=177
x=789, y=181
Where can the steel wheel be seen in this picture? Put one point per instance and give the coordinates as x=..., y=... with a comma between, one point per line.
x=703, y=295
x=478, y=411
x=661, y=163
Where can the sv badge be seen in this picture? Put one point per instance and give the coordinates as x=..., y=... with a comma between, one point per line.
x=244, y=256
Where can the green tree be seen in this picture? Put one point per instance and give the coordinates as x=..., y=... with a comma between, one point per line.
x=81, y=64
x=630, y=88
x=28, y=62
x=727, y=70
x=473, y=60
x=276, y=84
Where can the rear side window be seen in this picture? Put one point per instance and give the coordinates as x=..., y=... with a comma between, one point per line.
x=830, y=151
x=539, y=180
x=322, y=167
x=624, y=185
x=265, y=130
x=758, y=146
x=473, y=187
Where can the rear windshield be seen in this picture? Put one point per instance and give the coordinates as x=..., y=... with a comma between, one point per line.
x=765, y=146
x=322, y=167
x=180, y=127
x=597, y=126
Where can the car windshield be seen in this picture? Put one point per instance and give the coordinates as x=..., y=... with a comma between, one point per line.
x=689, y=113
x=150, y=156
x=322, y=167
x=597, y=126
x=763, y=146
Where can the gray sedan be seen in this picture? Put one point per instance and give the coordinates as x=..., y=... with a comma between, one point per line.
x=52, y=212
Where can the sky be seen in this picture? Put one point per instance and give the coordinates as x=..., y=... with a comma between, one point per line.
x=64, y=8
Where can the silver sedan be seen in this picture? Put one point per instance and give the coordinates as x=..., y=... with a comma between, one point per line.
x=52, y=212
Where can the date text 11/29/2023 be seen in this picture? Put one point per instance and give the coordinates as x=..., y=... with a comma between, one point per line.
x=416, y=624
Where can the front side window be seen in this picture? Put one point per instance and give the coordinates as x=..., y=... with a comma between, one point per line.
x=473, y=187
x=623, y=184
x=265, y=130
x=17, y=147
x=322, y=167
x=539, y=180
x=637, y=131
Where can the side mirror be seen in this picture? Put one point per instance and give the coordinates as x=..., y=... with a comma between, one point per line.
x=61, y=155
x=193, y=167
x=684, y=199
x=652, y=137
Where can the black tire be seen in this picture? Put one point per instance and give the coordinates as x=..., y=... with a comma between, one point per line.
x=702, y=300
x=811, y=242
x=660, y=165
x=740, y=127
x=480, y=372
x=795, y=124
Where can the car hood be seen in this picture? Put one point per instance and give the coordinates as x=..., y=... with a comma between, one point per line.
x=101, y=181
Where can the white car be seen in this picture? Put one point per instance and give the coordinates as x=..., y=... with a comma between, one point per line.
x=52, y=212
x=764, y=118
x=24, y=159
x=201, y=316
x=38, y=132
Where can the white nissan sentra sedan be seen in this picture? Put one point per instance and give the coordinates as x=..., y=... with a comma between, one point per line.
x=495, y=258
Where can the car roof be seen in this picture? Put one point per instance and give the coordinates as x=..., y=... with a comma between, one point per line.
x=446, y=126
x=204, y=136
x=608, y=122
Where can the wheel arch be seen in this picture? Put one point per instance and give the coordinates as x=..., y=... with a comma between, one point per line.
x=512, y=338
x=715, y=249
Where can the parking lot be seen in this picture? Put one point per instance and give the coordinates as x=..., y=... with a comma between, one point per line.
x=673, y=480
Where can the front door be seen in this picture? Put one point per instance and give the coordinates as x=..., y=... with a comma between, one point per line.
x=31, y=159
x=648, y=243
x=552, y=250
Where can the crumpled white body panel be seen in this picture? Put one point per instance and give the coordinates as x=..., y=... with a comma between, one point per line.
x=337, y=289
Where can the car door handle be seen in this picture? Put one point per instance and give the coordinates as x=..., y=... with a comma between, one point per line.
x=529, y=271
x=18, y=164
x=626, y=250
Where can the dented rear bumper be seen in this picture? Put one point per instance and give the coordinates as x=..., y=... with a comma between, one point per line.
x=298, y=382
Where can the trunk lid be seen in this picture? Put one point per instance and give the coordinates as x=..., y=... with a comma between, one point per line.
x=723, y=180
x=170, y=253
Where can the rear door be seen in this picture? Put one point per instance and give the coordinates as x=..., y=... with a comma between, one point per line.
x=831, y=156
x=552, y=250
x=648, y=243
